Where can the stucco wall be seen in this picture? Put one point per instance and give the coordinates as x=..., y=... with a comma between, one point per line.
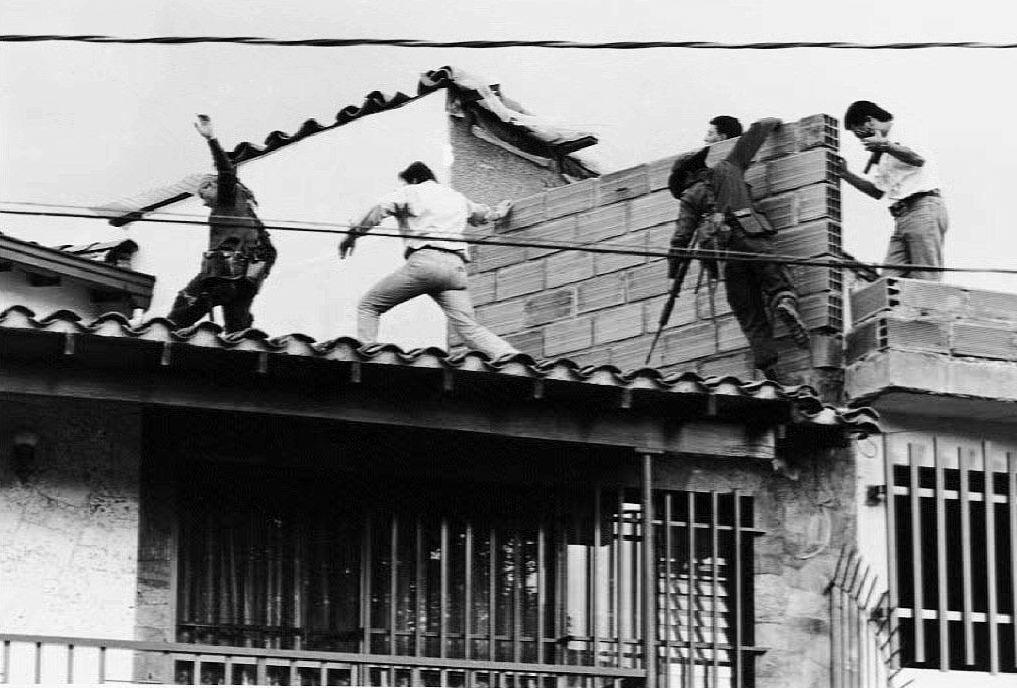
x=15, y=290
x=68, y=563
x=489, y=174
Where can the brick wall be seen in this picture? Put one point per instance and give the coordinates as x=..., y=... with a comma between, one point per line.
x=599, y=308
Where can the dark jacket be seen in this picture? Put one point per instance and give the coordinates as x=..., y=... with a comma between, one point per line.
x=728, y=192
x=232, y=217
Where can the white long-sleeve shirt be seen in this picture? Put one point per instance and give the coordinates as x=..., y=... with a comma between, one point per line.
x=430, y=208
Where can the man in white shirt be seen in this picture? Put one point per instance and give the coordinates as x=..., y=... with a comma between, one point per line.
x=906, y=174
x=432, y=218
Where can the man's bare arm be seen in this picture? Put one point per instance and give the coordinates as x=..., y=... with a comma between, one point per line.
x=901, y=152
x=860, y=183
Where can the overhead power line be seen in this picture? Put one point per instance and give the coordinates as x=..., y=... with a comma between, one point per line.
x=476, y=44
x=492, y=240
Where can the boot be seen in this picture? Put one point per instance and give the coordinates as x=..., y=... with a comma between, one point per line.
x=788, y=314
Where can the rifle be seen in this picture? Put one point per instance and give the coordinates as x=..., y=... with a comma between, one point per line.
x=672, y=296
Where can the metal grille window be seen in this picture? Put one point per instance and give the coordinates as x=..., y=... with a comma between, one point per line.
x=472, y=572
x=953, y=556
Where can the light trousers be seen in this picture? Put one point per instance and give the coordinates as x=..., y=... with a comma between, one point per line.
x=442, y=276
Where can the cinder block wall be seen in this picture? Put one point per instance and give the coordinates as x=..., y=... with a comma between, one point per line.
x=603, y=308
x=932, y=336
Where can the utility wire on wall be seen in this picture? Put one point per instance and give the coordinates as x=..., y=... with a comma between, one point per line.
x=492, y=240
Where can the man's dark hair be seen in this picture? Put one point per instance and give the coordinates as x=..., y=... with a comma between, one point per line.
x=416, y=173
x=860, y=111
x=727, y=125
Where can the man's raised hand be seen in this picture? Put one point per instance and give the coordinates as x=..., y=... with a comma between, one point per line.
x=204, y=126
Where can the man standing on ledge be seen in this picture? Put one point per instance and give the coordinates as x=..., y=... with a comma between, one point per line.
x=432, y=218
x=906, y=173
x=716, y=200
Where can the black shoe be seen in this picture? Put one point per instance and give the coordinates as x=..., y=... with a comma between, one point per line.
x=788, y=314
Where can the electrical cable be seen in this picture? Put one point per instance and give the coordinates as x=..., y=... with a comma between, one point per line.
x=475, y=44
x=498, y=240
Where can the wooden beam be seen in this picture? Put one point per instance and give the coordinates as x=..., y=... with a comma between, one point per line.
x=381, y=405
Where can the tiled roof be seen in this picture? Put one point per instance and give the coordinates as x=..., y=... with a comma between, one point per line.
x=806, y=409
x=504, y=118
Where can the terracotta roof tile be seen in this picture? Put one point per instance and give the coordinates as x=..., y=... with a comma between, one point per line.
x=807, y=408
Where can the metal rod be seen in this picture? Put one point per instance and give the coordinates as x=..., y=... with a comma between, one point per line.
x=595, y=578
x=965, y=513
x=541, y=591
x=468, y=596
x=942, y=602
x=649, y=577
x=617, y=592
x=1011, y=469
x=419, y=601
x=492, y=584
x=690, y=674
x=517, y=597
x=7, y=661
x=443, y=596
x=393, y=582
x=668, y=582
x=102, y=664
x=917, y=601
x=836, y=632
x=37, y=668
x=715, y=575
x=70, y=663
x=989, y=490
x=738, y=616
x=365, y=588
x=893, y=597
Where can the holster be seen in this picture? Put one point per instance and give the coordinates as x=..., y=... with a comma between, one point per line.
x=752, y=223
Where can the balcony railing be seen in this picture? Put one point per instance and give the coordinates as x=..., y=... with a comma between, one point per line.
x=69, y=660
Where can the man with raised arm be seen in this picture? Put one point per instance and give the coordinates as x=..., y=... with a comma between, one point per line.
x=239, y=254
x=432, y=218
x=717, y=201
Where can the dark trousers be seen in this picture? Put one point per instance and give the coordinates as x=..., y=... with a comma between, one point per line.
x=196, y=301
x=753, y=289
x=235, y=296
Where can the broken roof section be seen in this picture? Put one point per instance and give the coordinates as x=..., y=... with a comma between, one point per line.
x=494, y=118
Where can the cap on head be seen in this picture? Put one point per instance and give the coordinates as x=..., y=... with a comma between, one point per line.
x=688, y=164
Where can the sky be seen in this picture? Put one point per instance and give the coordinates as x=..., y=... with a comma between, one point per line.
x=87, y=124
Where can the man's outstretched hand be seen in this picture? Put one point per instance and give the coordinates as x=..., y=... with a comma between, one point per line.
x=346, y=245
x=204, y=126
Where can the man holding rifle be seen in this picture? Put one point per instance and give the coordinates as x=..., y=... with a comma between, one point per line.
x=716, y=207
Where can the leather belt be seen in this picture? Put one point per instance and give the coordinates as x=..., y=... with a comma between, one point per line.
x=435, y=248
x=905, y=203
